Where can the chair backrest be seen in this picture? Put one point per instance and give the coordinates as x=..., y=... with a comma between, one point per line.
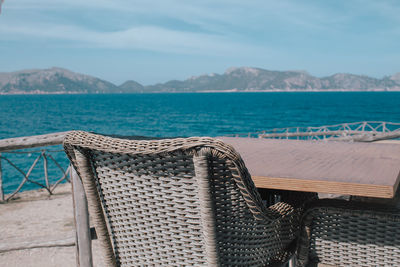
x=349, y=233
x=185, y=201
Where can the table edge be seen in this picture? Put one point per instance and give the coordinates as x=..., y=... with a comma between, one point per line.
x=330, y=187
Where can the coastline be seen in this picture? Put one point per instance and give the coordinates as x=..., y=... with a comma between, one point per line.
x=205, y=91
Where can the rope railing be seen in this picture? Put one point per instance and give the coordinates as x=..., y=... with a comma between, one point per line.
x=11, y=151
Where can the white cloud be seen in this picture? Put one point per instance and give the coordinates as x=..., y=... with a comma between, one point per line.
x=229, y=11
x=144, y=37
x=223, y=24
x=206, y=13
x=211, y=37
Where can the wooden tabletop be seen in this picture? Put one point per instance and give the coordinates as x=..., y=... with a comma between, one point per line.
x=360, y=169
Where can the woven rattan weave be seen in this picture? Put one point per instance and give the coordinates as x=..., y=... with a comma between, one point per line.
x=178, y=202
x=343, y=233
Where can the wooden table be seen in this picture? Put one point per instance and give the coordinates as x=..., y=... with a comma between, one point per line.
x=359, y=169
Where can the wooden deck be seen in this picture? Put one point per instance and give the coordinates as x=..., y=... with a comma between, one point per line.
x=360, y=169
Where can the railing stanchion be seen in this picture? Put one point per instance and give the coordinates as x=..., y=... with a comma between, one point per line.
x=46, y=173
x=1, y=183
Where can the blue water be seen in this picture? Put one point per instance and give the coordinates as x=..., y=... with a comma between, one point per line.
x=169, y=115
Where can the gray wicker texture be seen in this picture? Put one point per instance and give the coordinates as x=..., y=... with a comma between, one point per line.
x=178, y=202
x=343, y=233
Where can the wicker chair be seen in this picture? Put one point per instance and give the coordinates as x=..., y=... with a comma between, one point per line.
x=346, y=233
x=178, y=202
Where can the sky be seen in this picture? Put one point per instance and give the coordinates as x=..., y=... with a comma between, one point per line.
x=153, y=41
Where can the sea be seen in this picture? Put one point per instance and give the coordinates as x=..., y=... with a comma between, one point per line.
x=174, y=115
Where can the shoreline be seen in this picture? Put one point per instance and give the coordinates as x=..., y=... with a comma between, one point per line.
x=201, y=92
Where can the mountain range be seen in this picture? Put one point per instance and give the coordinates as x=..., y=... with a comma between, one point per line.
x=244, y=79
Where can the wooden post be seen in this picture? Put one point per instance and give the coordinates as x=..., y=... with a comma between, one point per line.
x=1, y=183
x=82, y=227
x=46, y=173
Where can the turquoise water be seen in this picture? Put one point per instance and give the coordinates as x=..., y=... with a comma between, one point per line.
x=169, y=115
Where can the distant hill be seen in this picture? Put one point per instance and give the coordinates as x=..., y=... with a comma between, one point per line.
x=243, y=79
x=53, y=80
x=396, y=77
x=246, y=79
x=132, y=86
